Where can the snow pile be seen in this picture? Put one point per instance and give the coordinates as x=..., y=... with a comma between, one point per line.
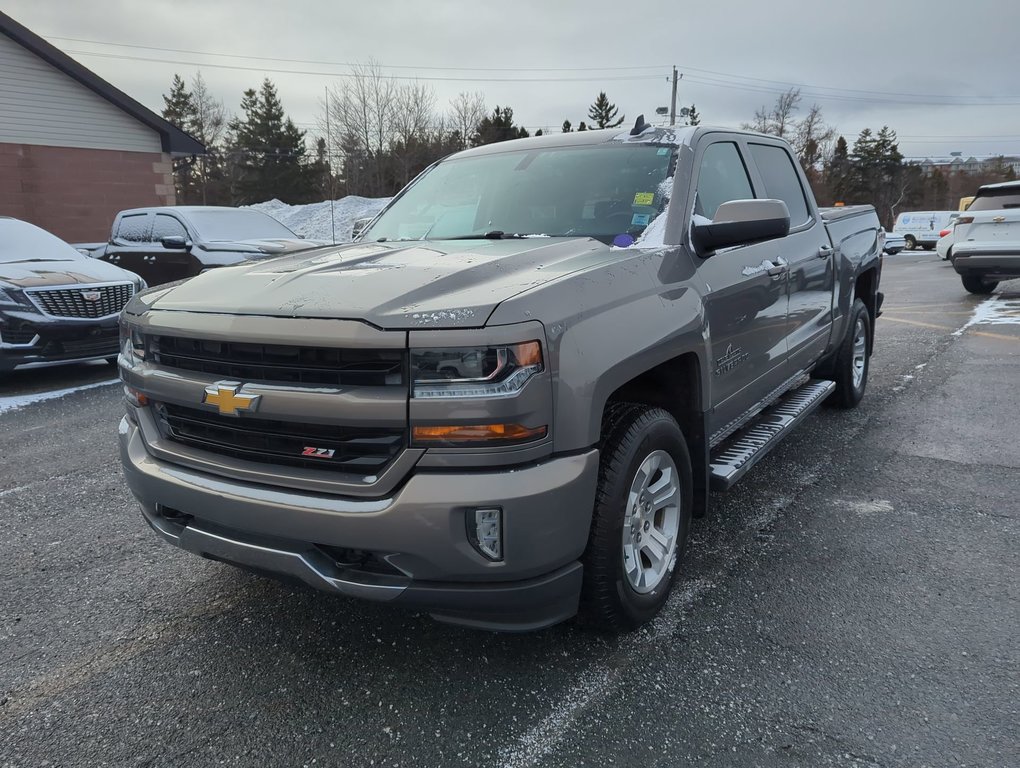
x=313, y=220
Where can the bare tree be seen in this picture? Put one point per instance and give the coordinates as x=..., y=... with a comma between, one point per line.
x=778, y=120
x=467, y=110
x=813, y=139
x=208, y=124
x=412, y=120
x=361, y=111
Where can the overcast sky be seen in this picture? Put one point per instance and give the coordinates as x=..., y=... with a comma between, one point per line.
x=943, y=75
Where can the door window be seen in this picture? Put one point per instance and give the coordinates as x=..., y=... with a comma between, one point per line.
x=167, y=226
x=722, y=178
x=781, y=180
x=133, y=228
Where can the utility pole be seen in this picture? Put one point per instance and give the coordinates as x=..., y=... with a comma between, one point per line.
x=672, y=100
x=329, y=171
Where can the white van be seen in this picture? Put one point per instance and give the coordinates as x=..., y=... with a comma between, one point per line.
x=921, y=228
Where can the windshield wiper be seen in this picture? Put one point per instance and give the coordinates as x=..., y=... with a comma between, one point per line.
x=496, y=234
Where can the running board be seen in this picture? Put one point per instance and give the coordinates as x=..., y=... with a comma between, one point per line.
x=742, y=450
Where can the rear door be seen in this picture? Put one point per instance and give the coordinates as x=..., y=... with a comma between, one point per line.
x=806, y=252
x=746, y=300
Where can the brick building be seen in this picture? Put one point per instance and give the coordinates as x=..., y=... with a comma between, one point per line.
x=74, y=150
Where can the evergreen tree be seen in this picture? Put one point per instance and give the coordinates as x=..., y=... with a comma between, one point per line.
x=499, y=126
x=567, y=128
x=603, y=113
x=268, y=152
x=179, y=110
x=693, y=117
x=839, y=173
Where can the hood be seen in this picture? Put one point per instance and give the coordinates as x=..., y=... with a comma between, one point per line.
x=41, y=274
x=276, y=245
x=435, y=284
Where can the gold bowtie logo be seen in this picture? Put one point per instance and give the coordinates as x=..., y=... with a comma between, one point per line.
x=227, y=398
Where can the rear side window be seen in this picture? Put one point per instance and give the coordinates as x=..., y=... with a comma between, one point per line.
x=133, y=228
x=167, y=226
x=995, y=202
x=781, y=180
x=722, y=178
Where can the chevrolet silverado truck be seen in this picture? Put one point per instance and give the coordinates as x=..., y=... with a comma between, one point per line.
x=505, y=402
x=984, y=245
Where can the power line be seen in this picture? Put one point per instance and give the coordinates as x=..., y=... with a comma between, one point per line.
x=353, y=64
x=388, y=77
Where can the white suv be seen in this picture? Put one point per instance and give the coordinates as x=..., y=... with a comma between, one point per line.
x=986, y=239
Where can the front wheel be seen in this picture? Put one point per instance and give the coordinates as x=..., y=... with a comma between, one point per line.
x=911, y=242
x=853, y=359
x=641, y=519
x=980, y=286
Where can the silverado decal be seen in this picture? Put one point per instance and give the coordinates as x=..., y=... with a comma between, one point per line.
x=730, y=360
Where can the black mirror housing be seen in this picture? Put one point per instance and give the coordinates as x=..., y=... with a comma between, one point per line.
x=175, y=243
x=741, y=222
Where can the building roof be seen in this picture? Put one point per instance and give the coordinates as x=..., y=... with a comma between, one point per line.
x=173, y=139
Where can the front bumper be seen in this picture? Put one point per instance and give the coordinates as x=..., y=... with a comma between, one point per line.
x=419, y=532
x=28, y=340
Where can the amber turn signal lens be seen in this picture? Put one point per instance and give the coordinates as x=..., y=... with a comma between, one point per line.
x=135, y=397
x=476, y=433
x=527, y=354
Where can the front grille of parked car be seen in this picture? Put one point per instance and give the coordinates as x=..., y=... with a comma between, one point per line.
x=285, y=364
x=82, y=302
x=105, y=345
x=353, y=450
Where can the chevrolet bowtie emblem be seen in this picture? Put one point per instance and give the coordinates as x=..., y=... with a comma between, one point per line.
x=226, y=396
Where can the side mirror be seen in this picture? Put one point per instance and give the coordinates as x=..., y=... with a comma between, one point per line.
x=359, y=225
x=176, y=243
x=741, y=222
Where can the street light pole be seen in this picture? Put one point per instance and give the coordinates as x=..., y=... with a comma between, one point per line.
x=672, y=100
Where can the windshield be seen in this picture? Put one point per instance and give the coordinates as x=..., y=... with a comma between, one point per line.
x=595, y=191
x=21, y=241
x=234, y=224
x=995, y=201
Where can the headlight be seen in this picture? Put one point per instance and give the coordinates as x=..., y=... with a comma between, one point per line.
x=132, y=344
x=140, y=284
x=498, y=371
x=5, y=297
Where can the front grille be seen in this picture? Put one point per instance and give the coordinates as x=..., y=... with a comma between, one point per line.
x=103, y=301
x=278, y=363
x=106, y=345
x=17, y=337
x=354, y=450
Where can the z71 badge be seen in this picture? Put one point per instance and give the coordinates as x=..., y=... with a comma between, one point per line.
x=318, y=453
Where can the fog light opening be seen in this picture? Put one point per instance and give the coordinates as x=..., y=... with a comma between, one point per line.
x=485, y=530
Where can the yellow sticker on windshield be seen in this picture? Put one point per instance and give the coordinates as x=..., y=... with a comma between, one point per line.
x=644, y=198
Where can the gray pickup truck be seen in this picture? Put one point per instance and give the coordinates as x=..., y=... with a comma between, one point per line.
x=504, y=404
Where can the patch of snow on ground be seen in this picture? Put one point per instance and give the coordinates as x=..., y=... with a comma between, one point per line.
x=313, y=220
x=994, y=311
x=15, y=402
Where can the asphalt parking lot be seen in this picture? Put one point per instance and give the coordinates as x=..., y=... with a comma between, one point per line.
x=852, y=602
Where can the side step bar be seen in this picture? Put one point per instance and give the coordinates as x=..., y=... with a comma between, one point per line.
x=742, y=450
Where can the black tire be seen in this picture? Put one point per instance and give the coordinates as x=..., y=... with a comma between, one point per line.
x=978, y=285
x=631, y=433
x=911, y=243
x=848, y=393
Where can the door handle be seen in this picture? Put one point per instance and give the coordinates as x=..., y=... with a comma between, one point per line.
x=825, y=252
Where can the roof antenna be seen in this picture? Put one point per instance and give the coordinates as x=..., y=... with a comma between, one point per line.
x=640, y=126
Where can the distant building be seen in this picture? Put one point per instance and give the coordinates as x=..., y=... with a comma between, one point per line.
x=74, y=150
x=959, y=164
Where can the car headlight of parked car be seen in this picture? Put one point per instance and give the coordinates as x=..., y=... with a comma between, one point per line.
x=475, y=372
x=6, y=292
x=132, y=344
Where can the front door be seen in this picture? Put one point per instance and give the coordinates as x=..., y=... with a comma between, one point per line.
x=746, y=296
x=137, y=247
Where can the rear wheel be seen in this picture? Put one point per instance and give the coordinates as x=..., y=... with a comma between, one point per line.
x=911, y=242
x=853, y=359
x=641, y=519
x=978, y=285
